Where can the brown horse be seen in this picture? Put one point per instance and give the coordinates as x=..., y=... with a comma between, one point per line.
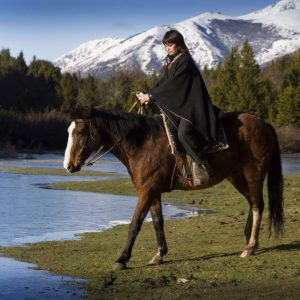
x=141, y=144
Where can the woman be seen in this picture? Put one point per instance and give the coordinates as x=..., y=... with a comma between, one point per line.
x=182, y=93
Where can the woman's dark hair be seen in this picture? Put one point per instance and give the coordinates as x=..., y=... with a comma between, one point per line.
x=175, y=37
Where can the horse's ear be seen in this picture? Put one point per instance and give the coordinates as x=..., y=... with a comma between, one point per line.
x=81, y=112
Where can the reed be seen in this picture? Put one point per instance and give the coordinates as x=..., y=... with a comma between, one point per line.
x=34, y=130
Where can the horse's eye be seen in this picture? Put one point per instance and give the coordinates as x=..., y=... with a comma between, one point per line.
x=81, y=132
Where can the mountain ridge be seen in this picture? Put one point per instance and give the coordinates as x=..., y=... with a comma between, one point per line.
x=272, y=32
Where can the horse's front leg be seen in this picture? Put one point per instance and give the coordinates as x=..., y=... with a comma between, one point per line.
x=158, y=223
x=141, y=210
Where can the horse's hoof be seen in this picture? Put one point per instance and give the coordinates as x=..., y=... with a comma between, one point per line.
x=156, y=260
x=118, y=266
x=247, y=253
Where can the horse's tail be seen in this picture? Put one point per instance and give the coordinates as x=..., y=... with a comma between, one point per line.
x=275, y=191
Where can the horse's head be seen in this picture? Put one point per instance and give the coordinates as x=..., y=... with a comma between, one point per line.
x=82, y=141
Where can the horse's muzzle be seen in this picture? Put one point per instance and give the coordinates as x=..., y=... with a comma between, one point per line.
x=73, y=169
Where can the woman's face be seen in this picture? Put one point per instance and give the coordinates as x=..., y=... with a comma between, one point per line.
x=171, y=48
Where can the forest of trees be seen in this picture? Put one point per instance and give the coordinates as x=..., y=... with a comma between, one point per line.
x=41, y=86
x=272, y=93
x=238, y=84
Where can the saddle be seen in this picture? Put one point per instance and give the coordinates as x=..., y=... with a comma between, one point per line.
x=177, y=149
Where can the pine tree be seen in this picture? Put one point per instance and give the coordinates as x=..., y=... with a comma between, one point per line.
x=5, y=55
x=67, y=90
x=292, y=72
x=249, y=85
x=21, y=64
x=45, y=70
x=6, y=62
x=269, y=96
x=87, y=92
x=224, y=92
x=138, y=85
x=289, y=105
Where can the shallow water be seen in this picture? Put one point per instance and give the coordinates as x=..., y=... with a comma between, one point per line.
x=31, y=214
x=19, y=281
x=108, y=164
x=290, y=164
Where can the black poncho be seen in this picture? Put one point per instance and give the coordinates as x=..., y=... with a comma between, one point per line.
x=183, y=93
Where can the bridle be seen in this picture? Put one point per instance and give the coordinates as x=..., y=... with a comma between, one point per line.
x=97, y=155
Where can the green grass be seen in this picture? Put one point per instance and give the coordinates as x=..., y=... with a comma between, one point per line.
x=53, y=172
x=202, y=249
x=117, y=187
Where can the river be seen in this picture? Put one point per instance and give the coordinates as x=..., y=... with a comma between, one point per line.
x=30, y=213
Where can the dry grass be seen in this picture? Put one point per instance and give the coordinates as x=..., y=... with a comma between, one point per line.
x=34, y=130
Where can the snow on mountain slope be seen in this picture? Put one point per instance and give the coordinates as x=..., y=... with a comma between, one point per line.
x=86, y=51
x=272, y=32
x=284, y=17
x=284, y=13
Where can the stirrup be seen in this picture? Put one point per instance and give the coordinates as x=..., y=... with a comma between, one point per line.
x=200, y=175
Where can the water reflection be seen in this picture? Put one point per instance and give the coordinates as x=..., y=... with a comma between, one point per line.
x=108, y=164
x=30, y=213
x=290, y=164
x=18, y=281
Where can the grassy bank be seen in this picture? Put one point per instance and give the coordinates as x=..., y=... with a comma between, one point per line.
x=203, y=250
x=53, y=172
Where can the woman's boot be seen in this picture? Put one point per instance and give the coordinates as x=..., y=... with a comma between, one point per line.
x=200, y=174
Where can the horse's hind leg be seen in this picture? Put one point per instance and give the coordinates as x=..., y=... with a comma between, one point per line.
x=252, y=190
x=238, y=180
x=255, y=185
x=158, y=223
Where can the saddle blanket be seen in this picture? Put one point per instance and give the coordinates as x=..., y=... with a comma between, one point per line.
x=176, y=146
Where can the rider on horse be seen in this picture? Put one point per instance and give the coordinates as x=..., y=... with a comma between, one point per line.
x=182, y=94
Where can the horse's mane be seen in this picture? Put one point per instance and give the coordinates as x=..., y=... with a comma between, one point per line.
x=134, y=127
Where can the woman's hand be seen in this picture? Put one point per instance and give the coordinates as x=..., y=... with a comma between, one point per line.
x=143, y=98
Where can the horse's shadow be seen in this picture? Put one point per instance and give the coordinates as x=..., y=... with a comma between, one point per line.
x=283, y=247
x=293, y=246
x=203, y=257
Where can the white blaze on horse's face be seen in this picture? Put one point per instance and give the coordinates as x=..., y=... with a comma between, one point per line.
x=69, y=145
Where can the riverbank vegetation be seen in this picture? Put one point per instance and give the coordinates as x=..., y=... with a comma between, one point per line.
x=52, y=172
x=35, y=98
x=203, y=261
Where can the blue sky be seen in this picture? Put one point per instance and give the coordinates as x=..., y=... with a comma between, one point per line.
x=50, y=28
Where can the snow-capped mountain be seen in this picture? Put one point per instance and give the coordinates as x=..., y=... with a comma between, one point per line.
x=272, y=32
